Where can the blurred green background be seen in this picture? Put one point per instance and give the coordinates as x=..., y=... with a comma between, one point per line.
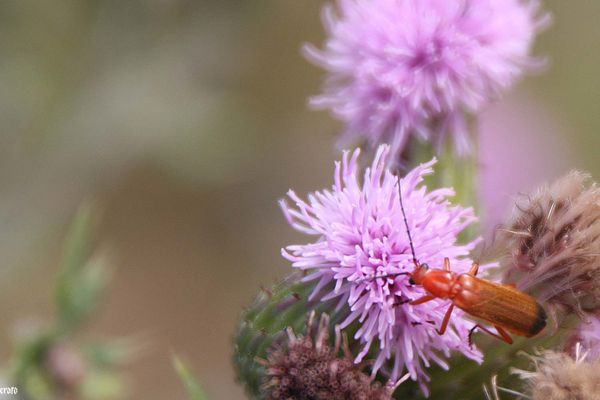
x=186, y=121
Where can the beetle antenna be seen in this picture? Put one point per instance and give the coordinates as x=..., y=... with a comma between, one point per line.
x=412, y=248
x=382, y=276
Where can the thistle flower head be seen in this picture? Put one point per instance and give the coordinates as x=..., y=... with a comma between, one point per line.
x=402, y=68
x=553, y=243
x=360, y=236
x=558, y=376
x=309, y=368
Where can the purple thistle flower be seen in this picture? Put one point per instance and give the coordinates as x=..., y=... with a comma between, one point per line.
x=359, y=234
x=402, y=68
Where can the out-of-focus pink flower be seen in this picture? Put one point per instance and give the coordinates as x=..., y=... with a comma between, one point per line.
x=402, y=68
x=588, y=337
x=518, y=134
x=359, y=234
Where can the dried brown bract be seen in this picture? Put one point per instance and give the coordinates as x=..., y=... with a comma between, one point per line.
x=310, y=368
x=559, y=376
x=553, y=245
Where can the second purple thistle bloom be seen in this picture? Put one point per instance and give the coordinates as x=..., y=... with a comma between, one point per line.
x=359, y=234
x=402, y=69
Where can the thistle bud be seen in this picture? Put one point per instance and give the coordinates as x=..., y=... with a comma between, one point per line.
x=264, y=322
x=308, y=367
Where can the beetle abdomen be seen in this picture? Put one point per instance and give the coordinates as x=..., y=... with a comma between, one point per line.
x=500, y=305
x=540, y=322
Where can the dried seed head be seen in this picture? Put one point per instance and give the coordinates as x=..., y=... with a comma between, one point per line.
x=559, y=376
x=309, y=368
x=553, y=245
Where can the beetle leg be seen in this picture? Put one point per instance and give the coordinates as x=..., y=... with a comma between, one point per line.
x=446, y=264
x=422, y=300
x=501, y=335
x=399, y=303
x=445, y=321
x=504, y=334
x=474, y=269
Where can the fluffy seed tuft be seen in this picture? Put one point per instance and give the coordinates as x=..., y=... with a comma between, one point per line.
x=559, y=376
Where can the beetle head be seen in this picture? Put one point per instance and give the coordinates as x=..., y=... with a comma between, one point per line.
x=416, y=278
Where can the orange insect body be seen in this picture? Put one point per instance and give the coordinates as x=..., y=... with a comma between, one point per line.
x=500, y=305
x=503, y=306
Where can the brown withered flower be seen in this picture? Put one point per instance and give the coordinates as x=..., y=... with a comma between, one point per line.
x=559, y=376
x=309, y=368
x=553, y=245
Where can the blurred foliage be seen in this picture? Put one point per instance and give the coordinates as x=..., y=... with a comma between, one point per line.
x=82, y=278
x=48, y=363
x=126, y=80
x=192, y=386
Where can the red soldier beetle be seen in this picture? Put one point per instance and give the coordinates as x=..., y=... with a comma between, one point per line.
x=501, y=305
